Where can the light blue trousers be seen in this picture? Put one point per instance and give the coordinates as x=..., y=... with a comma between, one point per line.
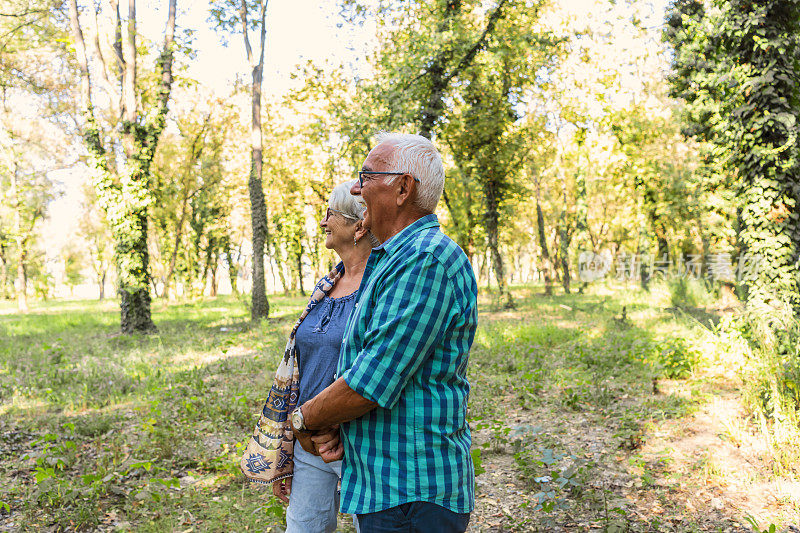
x=314, y=500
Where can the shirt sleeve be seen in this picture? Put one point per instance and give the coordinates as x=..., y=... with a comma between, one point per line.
x=412, y=311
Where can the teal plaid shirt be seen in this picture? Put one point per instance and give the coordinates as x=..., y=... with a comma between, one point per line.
x=406, y=347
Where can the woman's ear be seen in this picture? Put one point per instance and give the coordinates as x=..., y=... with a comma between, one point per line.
x=360, y=230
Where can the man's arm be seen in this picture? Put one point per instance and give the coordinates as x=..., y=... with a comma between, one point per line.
x=336, y=404
x=401, y=333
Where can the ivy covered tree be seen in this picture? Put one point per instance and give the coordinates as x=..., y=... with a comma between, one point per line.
x=135, y=117
x=736, y=66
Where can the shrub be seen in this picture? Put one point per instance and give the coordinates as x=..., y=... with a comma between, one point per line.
x=677, y=360
x=687, y=292
x=770, y=343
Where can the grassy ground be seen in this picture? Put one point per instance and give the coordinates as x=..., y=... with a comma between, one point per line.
x=604, y=411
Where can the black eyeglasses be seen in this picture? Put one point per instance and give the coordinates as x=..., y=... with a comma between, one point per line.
x=361, y=174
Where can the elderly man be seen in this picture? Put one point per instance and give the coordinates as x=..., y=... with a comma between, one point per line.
x=401, y=394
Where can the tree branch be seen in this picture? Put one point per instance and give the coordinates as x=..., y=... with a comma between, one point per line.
x=99, y=54
x=166, y=59
x=470, y=55
x=83, y=63
x=129, y=75
x=245, y=34
x=25, y=13
x=263, y=16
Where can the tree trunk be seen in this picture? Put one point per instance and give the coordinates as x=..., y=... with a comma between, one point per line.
x=281, y=273
x=134, y=285
x=3, y=272
x=564, y=239
x=492, y=222
x=546, y=261
x=22, y=279
x=299, y=259
x=581, y=218
x=213, y=273
x=258, y=209
x=657, y=225
x=21, y=284
x=102, y=282
x=233, y=270
x=641, y=253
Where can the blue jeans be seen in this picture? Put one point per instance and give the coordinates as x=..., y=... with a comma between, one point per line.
x=314, y=500
x=421, y=517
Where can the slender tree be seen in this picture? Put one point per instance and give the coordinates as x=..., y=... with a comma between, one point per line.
x=229, y=16
x=94, y=230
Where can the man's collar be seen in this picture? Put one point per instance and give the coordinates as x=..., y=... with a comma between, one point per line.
x=396, y=241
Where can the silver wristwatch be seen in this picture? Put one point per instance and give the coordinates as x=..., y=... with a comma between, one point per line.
x=298, y=421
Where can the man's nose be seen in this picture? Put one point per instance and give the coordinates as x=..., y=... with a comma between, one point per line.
x=355, y=190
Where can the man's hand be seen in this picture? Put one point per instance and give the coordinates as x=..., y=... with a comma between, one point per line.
x=282, y=489
x=328, y=444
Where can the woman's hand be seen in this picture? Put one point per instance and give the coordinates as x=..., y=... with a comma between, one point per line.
x=304, y=438
x=282, y=489
x=329, y=445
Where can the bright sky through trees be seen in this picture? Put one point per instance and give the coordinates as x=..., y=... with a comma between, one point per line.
x=310, y=30
x=298, y=31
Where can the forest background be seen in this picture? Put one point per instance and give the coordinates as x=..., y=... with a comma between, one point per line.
x=157, y=155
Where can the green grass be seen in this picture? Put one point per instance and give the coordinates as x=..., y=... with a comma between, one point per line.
x=145, y=432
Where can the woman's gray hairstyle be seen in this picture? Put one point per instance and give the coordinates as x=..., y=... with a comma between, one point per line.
x=353, y=207
x=416, y=155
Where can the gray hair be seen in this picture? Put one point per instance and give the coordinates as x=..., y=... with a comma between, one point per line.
x=416, y=155
x=353, y=207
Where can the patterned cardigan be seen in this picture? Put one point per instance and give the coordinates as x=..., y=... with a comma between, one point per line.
x=268, y=457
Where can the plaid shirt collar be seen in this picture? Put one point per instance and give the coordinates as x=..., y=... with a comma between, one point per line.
x=396, y=241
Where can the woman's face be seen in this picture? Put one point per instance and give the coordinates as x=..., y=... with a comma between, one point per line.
x=339, y=230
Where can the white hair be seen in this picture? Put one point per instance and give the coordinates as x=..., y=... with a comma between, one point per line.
x=416, y=155
x=353, y=207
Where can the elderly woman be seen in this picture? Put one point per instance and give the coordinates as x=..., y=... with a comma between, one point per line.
x=311, y=491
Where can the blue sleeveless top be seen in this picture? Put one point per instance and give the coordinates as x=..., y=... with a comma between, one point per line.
x=318, y=341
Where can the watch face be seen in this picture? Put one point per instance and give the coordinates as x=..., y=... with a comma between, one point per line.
x=297, y=419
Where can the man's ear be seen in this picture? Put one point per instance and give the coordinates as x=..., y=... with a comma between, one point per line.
x=404, y=189
x=361, y=230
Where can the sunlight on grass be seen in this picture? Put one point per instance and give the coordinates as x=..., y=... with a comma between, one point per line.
x=164, y=417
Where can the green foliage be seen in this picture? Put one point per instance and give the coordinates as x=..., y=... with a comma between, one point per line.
x=677, y=359
x=736, y=67
x=770, y=371
x=752, y=522
x=772, y=374
x=688, y=292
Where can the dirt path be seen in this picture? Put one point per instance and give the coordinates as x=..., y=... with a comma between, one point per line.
x=702, y=472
